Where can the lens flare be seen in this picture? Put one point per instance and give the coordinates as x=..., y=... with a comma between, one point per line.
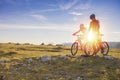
x=91, y=36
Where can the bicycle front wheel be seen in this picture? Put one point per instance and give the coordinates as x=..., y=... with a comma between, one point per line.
x=90, y=49
x=74, y=48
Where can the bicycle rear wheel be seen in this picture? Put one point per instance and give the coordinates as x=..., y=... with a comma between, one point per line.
x=74, y=48
x=105, y=48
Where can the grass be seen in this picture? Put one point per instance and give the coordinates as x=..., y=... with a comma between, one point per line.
x=89, y=68
x=24, y=51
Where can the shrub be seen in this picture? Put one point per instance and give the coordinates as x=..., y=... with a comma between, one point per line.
x=2, y=52
x=42, y=43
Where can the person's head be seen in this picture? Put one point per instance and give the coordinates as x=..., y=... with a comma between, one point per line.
x=82, y=27
x=92, y=16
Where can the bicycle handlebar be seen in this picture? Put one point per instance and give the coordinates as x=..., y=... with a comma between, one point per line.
x=81, y=35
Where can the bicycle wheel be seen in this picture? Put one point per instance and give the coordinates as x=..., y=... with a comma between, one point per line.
x=105, y=49
x=74, y=48
x=90, y=49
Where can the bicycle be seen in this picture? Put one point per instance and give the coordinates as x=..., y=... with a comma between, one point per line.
x=92, y=47
x=78, y=44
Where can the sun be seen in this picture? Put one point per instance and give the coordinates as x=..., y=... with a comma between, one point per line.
x=91, y=36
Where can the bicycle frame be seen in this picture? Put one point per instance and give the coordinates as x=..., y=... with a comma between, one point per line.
x=81, y=42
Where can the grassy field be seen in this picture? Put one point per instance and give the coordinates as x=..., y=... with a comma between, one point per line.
x=15, y=64
x=21, y=51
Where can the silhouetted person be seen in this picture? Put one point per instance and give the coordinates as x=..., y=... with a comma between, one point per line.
x=95, y=28
x=82, y=29
x=94, y=25
x=82, y=32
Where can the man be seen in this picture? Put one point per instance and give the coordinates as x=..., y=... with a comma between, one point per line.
x=95, y=28
x=94, y=25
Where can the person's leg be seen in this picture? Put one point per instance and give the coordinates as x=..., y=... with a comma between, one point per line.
x=80, y=42
x=101, y=46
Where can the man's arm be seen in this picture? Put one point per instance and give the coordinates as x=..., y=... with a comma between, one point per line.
x=89, y=27
x=98, y=26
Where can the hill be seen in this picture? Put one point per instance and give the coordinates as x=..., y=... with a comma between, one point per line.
x=111, y=44
x=41, y=62
x=114, y=44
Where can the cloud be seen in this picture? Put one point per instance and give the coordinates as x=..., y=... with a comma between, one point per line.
x=39, y=17
x=65, y=27
x=48, y=10
x=76, y=13
x=68, y=5
x=13, y=26
x=75, y=19
x=117, y=32
x=15, y=2
x=83, y=6
x=76, y=16
x=43, y=10
x=113, y=32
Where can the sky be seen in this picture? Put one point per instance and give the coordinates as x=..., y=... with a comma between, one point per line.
x=54, y=21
